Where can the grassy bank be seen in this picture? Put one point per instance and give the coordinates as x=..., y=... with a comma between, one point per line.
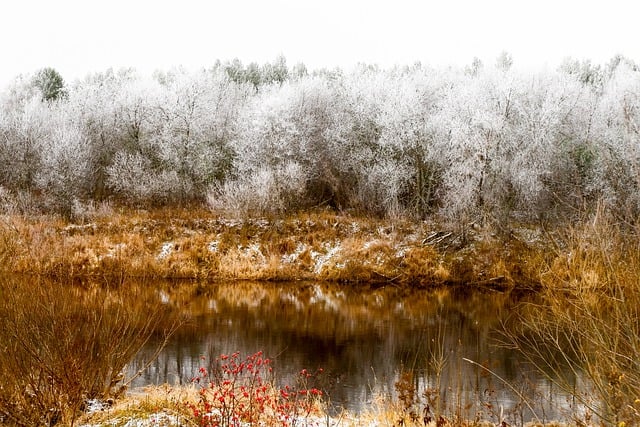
x=321, y=245
x=587, y=277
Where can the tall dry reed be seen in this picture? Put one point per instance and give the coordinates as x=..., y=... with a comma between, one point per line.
x=62, y=345
x=585, y=332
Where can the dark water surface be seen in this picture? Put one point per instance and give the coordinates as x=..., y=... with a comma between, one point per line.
x=363, y=339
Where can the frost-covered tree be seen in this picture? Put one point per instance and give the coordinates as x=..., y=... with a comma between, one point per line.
x=276, y=72
x=50, y=84
x=185, y=146
x=65, y=168
x=584, y=71
x=409, y=138
x=475, y=67
x=110, y=108
x=616, y=134
x=23, y=132
x=299, y=71
x=267, y=137
x=469, y=144
x=268, y=190
x=504, y=61
x=548, y=171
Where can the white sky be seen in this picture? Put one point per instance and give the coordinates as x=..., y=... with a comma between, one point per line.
x=80, y=36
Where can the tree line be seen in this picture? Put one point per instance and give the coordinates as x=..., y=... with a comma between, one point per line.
x=466, y=144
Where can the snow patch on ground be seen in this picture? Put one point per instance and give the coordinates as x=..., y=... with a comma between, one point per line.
x=293, y=257
x=158, y=419
x=369, y=244
x=213, y=246
x=80, y=228
x=167, y=249
x=322, y=259
x=261, y=223
x=96, y=405
x=401, y=251
x=166, y=419
x=378, y=257
x=230, y=223
x=254, y=253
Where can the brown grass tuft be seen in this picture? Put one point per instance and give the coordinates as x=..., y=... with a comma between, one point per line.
x=63, y=345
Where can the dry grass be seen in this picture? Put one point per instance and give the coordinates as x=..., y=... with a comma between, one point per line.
x=157, y=405
x=588, y=323
x=62, y=345
x=195, y=243
x=170, y=406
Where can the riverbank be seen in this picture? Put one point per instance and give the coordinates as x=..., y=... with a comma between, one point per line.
x=169, y=407
x=321, y=245
x=587, y=282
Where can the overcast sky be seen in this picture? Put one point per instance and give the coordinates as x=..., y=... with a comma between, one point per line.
x=81, y=36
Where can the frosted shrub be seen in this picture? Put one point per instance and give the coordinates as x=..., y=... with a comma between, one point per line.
x=193, y=124
x=265, y=191
x=296, y=122
x=132, y=177
x=65, y=169
x=491, y=144
x=617, y=129
x=384, y=188
x=23, y=130
x=408, y=134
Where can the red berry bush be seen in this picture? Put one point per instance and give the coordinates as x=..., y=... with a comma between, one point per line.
x=238, y=391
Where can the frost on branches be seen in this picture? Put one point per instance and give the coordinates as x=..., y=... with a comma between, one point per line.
x=467, y=145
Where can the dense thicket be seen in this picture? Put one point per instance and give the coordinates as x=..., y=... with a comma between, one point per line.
x=468, y=144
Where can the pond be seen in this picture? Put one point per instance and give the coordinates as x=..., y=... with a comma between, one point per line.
x=444, y=343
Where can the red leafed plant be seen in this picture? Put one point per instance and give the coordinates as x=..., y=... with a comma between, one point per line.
x=237, y=392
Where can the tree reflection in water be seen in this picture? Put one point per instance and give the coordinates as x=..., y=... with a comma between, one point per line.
x=364, y=338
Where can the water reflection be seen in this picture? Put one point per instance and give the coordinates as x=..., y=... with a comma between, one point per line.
x=363, y=339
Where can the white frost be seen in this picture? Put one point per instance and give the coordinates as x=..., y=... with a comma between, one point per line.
x=167, y=249
x=321, y=260
x=293, y=257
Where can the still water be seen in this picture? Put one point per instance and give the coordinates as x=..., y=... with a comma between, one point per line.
x=364, y=339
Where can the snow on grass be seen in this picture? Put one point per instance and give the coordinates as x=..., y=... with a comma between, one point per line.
x=167, y=249
x=96, y=405
x=293, y=257
x=230, y=223
x=261, y=223
x=164, y=297
x=254, y=253
x=157, y=419
x=80, y=228
x=401, y=251
x=167, y=419
x=322, y=259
